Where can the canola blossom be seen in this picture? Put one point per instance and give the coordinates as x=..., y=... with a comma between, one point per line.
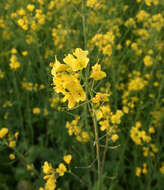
x=65, y=77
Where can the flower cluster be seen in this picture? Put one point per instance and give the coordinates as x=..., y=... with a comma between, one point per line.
x=51, y=174
x=14, y=63
x=74, y=129
x=66, y=77
x=49, y=177
x=139, y=136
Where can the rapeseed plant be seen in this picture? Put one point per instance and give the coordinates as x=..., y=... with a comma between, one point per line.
x=81, y=94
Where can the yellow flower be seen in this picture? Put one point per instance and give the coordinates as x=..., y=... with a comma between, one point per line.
x=142, y=15
x=67, y=158
x=50, y=183
x=114, y=137
x=151, y=130
x=107, y=50
x=29, y=166
x=58, y=67
x=24, y=53
x=144, y=170
x=12, y=144
x=13, y=51
x=84, y=136
x=139, y=136
x=30, y=7
x=66, y=82
x=148, y=61
x=3, y=132
x=47, y=168
x=162, y=168
x=78, y=61
x=115, y=119
x=70, y=87
x=100, y=97
x=96, y=73
x=36, y=111
x=41, y=188
x=138, y=171
x=12, y=156
x=49, y=177
x=61, y=169
x=2, y=74
x=16, y=134
x=14, y=63
x=125, y=109
x=136, y=84
x=148, y=2
x=21, y=12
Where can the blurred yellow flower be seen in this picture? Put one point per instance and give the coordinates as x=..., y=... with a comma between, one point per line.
x=36, y=111
x=3, y=132
x=47, y=168
x=114, y=137
x=67, y=158
x=138, y=171
x=12, y=156
x=148, y=61
x=61, y=169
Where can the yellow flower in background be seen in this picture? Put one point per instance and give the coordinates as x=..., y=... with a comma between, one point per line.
x=138, y=171
x=162, y=168
x=12, y=144
x=3, y=132
x=91, y=3
x=144, y=169
x=114, y=137
x=148, y=2
x=29, y=166
x=24, y=53
x=96, y=72
x=151, y=130
x=139, y=136
x=142, y=15
x=116, y=118
x=61, y=169
x=2, y=74
x=16, y=134
x=107, y=50
x=12, y=156
x=30, y=7
x=136, y=84
x=13, y=51
x=41, y=188
x=14, y=63
x=148, y=61
x=67, y=158
x=84, y=136
x=36, y=111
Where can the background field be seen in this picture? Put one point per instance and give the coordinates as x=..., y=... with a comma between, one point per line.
x=114, y=132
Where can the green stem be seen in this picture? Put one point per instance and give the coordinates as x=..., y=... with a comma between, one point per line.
x=97, y=144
